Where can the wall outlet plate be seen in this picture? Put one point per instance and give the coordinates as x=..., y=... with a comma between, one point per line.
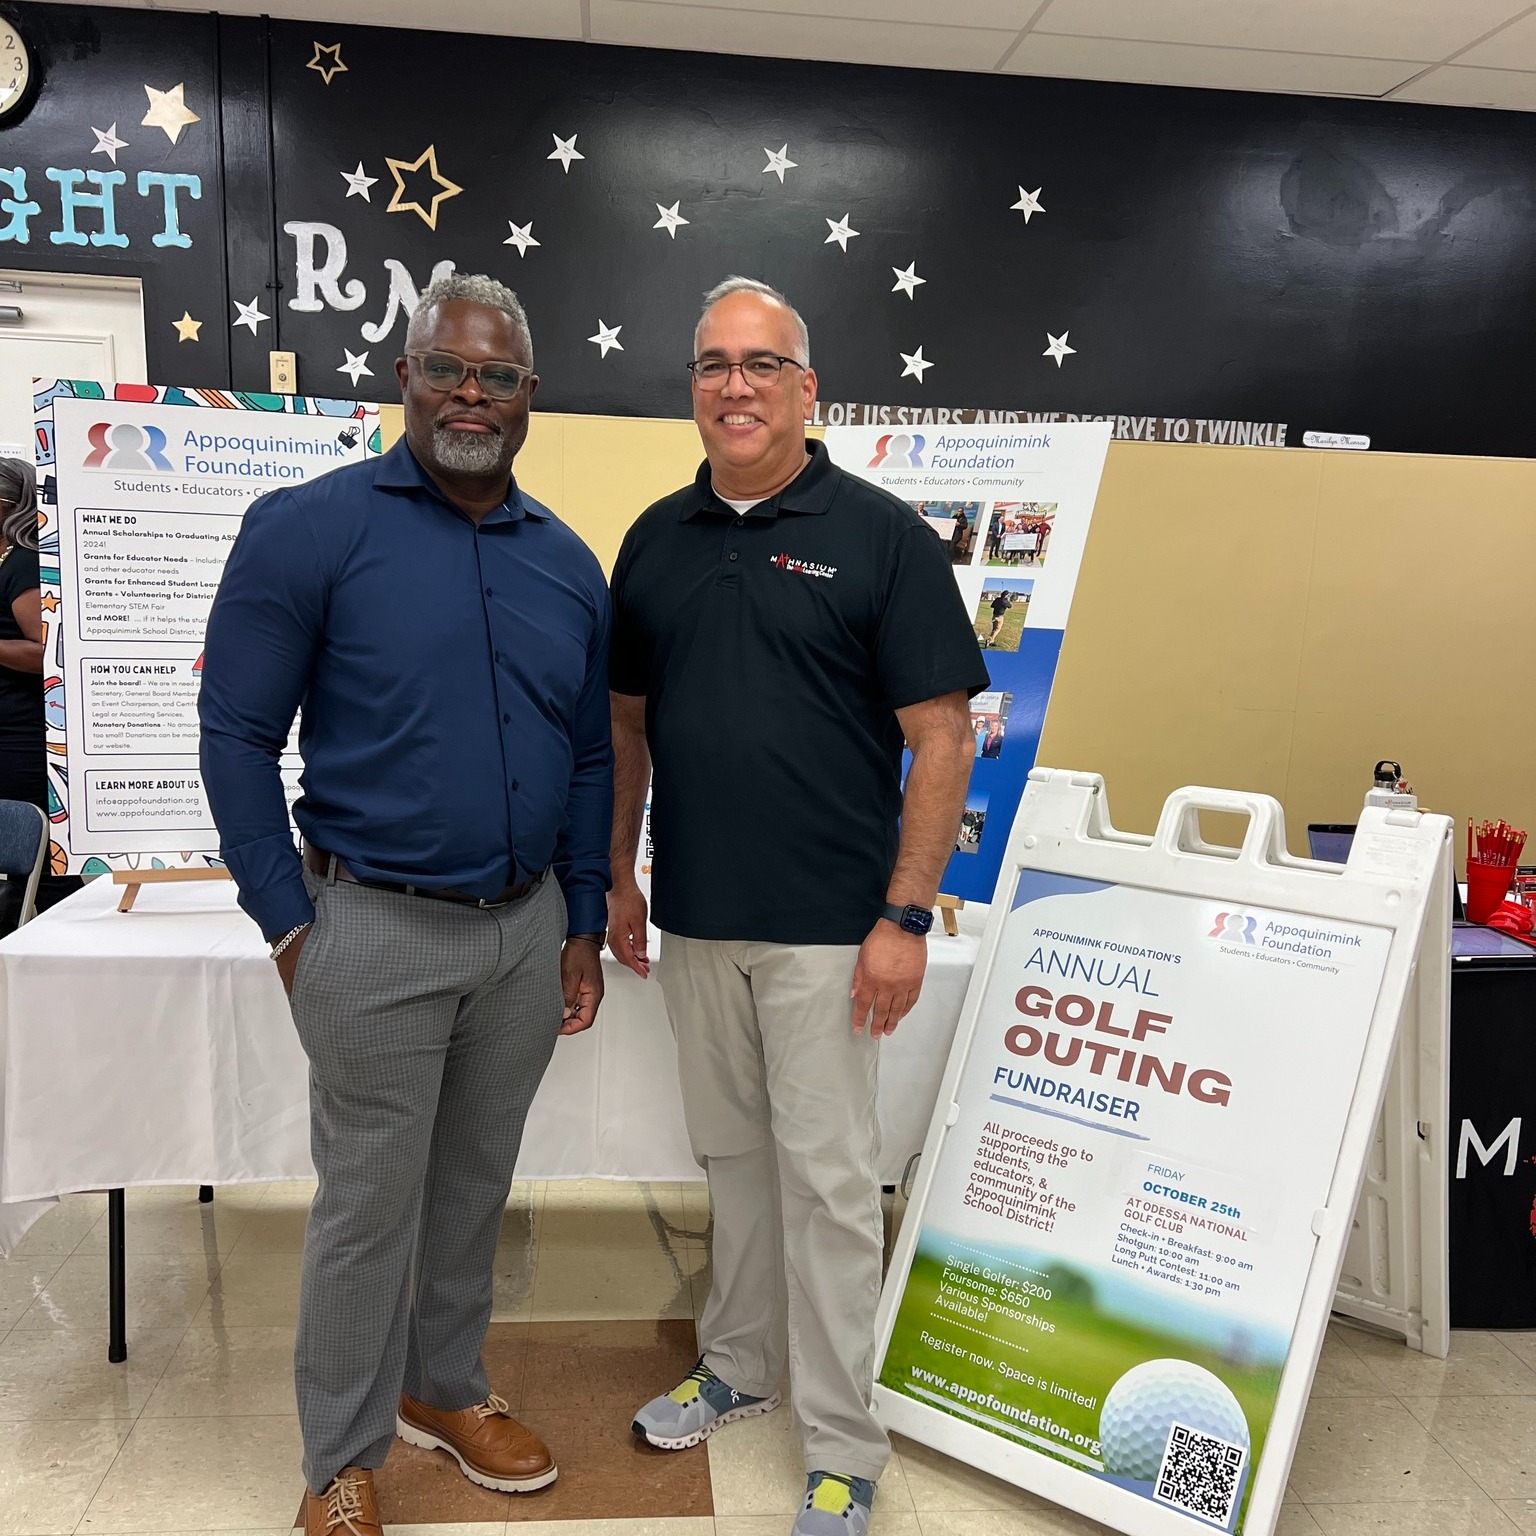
x=285, y=372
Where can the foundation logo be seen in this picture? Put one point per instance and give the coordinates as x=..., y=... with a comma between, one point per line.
x=899, y=450
x=803, y=567
x=1236, y=926
x=124, y=445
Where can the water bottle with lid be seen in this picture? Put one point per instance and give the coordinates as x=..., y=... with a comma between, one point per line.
x=1390, y=789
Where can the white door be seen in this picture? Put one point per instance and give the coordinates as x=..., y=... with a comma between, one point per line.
x=54, y=325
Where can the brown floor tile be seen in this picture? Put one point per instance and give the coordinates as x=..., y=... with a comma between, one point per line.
x=576, y=1385
x=608, y=1367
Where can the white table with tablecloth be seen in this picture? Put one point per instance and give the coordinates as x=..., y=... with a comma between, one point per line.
x=155, y=1047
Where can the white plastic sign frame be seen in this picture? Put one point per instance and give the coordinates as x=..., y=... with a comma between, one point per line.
x=1398, y=875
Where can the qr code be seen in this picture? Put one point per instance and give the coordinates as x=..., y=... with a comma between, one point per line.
x=1200, y=1474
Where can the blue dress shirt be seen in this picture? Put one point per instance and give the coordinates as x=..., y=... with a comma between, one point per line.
x=453, y=679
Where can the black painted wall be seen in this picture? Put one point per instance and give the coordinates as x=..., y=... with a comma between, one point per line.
x=1343, y=266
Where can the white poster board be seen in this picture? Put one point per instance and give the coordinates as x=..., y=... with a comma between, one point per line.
x=1113, y=1282
x=144, y=493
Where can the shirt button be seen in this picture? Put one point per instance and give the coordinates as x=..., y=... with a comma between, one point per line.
x=741, y=522
x=734, y=555
x=506, y=719
x=514, y=783
x=497, y=658
x=489, y=593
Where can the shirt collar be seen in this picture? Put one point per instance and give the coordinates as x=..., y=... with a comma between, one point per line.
x=400, y=470
x=811, y=491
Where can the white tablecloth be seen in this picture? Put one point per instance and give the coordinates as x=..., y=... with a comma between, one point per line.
x=156, y=1047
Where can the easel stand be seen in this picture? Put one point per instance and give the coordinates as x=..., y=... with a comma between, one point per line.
x=133, y=879
x=1178, y=1066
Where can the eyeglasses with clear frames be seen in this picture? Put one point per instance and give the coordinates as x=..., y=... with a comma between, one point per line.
x=443, y=371
x=761, y=370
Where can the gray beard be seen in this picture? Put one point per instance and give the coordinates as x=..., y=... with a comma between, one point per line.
x=469, y=453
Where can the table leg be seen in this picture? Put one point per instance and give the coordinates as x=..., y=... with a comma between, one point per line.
x=205, y=1194
x=117, y=1284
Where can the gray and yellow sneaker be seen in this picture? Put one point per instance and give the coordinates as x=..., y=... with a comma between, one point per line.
x=695, y=1408
x=835, y=1506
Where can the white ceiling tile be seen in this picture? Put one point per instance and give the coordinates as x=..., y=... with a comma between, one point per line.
x=1231, y=69
x=652, y=24
x=1453, y=85
x=1405, y=29
x=1513, y=48
x=1008, y=15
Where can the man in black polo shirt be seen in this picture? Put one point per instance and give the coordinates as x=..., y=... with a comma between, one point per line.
x=780, y=628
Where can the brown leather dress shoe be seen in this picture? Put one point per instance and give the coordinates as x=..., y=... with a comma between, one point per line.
x=347, y=1508
x=490, y=1446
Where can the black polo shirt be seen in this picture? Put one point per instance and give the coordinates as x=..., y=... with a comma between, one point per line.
x=773, y=650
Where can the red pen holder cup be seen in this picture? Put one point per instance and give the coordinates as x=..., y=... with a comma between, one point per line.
x=1486, y=886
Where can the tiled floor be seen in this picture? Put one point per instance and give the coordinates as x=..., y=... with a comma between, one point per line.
x=597, y=1286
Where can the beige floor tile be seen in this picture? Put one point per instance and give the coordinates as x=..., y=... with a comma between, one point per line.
x=1427, y=1517
x=1523, y=1344
x=201, y=1474
x=627, y=1256
x=685, y=1525
x=254, y=1290
x=50, y=1471
x=1296, y=1520
x=52, y=1373
x=292, y=1194
x=1493, y=1438
x=226, y=1372
x=938, y=1482
x=1039, y=1520
x=169, y=1220
x=1521, y=1511
x=63, y=1229
x=1362, y=1449
x=517, y=1251
x=1478, y=1366
x=1340, y=1371
x=488, y=1527
x=22, y=1281
x=163, y=1291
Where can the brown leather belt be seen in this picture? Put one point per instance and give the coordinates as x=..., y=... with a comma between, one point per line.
x=318, y=862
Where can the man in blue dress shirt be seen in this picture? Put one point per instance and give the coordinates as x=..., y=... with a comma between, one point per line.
x=446, y=638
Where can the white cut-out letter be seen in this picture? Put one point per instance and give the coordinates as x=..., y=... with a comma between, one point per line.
x=1509, y=1138
x=402, y=295
x=315, y=282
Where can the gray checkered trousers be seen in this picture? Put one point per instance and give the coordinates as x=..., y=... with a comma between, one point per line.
x=428, y=1026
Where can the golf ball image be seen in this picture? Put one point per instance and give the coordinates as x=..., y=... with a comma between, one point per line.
x=1144, y=1405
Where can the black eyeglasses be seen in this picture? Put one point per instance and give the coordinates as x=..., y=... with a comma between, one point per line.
x=762, y=369
x=443, y=371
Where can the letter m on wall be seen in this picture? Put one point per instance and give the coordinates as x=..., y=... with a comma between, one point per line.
x=1508, y=1138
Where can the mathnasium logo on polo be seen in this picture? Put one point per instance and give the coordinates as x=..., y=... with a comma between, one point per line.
x=131, y=447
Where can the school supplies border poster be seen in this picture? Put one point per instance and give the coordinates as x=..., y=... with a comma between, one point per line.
x=1013, y=505
x=143, y=491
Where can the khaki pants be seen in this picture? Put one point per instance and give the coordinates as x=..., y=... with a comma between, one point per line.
x=779, y=1095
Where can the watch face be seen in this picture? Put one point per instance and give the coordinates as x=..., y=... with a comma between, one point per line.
x=916, y=920
x=15, y=68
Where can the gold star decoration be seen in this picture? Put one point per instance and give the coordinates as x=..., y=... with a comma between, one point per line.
x=168, y=110
x=187, y=328
x=399, y=203
x=51, y=603
x=327, y=70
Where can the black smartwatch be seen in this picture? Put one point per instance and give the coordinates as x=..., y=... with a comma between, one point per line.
x=910, y=919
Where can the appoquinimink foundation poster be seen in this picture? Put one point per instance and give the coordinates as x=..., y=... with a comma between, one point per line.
x=1012, y=506
x=143, y=491
x=1119, y=1231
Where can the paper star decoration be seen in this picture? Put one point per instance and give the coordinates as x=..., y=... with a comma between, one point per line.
x=1028, y=203
x=51, y=603
x=565, y=151
x=355, y=366
x=521, y=236
x=840, y=232
x=778, y=163
x=1058, y=347
x=187, y=328
x=399, y=203
x=608, y=337
x=108, y=143
x=907, y=279
x=168, y=110
x=327, y=62
x=669, y=220
x=916, y=363
x=358, y=182
x=250, y=315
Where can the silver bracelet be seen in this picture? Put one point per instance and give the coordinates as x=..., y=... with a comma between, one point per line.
x=287, y=939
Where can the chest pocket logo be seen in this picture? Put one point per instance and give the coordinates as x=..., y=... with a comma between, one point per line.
x=803, y=567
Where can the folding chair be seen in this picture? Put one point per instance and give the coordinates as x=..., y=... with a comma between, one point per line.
x=23, y=847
